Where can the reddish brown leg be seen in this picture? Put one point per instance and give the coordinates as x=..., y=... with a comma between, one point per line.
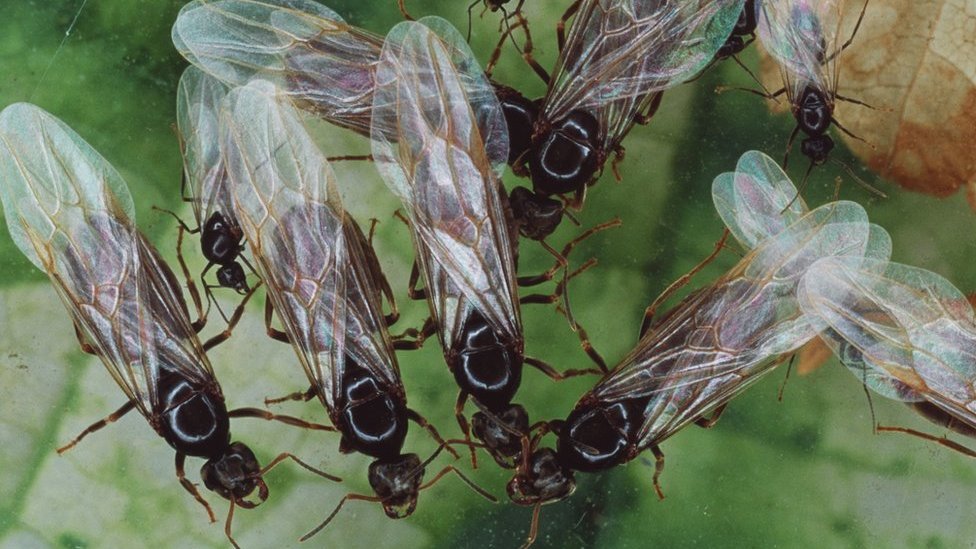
x=465, y=427
x=190, y=487
x=405, y=14
x=679, y=283
x=288, y=420
x=533, y=527
x=85, y=346
x=709, y=422
x=644, y=118
x=658, y=469
x=301, y=396
x=938, y=440
x=471, y=484
x=412, y=290
x=234, y=319
x=401, y=343
x=273, y=333
x=228, y=523
x=286, y=455
x=111, y=418
x=347, y=497
x=561, y=25
x=431, y=430
x=527, y=49
x=556, y=375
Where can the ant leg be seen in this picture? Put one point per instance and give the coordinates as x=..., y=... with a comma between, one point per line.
x=709, y=422
x=679, y=283
x=191, y=286
x=556, y=375
x=189, y=486
x=561, y=256
x=619, y=152
x=528, y=47
x=227, y=525
x=452, y=469
x=346, y=157
x=464, y=425
x=764, y=93
x=177, y=217
x=412, y=290
x=345, y=498
x=431, y=430
x=644, y=118
x=658, y=469
x=234, y=319
x=533, y=526
x=925, y=436
x=288, y=420
x=851, y=135
x=111, y=418
x=789, y=147
x=789, y=369
x=86, y=347
x=561, y=25
x=374, y=269
x=272, y=332
x=301, y=396
x=286, y=455
x=850, y=39
x=401, y=343
x=853, y=101
x=403, y=11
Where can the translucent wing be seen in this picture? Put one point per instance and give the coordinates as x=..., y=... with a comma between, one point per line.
x=910, y=332
x=802, y=35
x=197, y=99
x=309, y=253
x=618, y=52
x=452, y=144
x=69, y=212
x=322, y=63
x=720, y=339
x=753, y=200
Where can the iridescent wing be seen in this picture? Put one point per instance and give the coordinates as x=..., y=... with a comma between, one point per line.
x=70, y=213
x=719, y=340
x=905, y=331
x=197, y=99
x=758, y=200
x=619, y=52
x=308, y=251
x=307, y=50
x=804, y=36
x=452, y=145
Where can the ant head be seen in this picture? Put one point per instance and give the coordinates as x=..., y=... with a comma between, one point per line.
x=234, y=474
x=537, y=215
x=397, y=483
x=232, y=275
x=817, y=148
x=502, y=440
x=545, y=480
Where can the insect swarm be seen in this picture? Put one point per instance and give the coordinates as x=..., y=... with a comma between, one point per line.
x=802, y=462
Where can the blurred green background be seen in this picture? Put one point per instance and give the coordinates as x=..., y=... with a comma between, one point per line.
x=806, y=471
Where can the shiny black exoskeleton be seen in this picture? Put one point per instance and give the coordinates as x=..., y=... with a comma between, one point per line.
x=220, y=241
x=193, y=420
x=372, y=418
x=814, y=114
x=596, y=436
x=566, y=156
x=484, y=365
x=520, y=116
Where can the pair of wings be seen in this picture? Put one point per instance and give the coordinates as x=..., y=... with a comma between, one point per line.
x=805, y=38
x=198, y=98
x=724, y=337
x=316, y=264
x=304, y=48
x=446, y=170
x=906, y=332
x=71, y=214
x=620, y=52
